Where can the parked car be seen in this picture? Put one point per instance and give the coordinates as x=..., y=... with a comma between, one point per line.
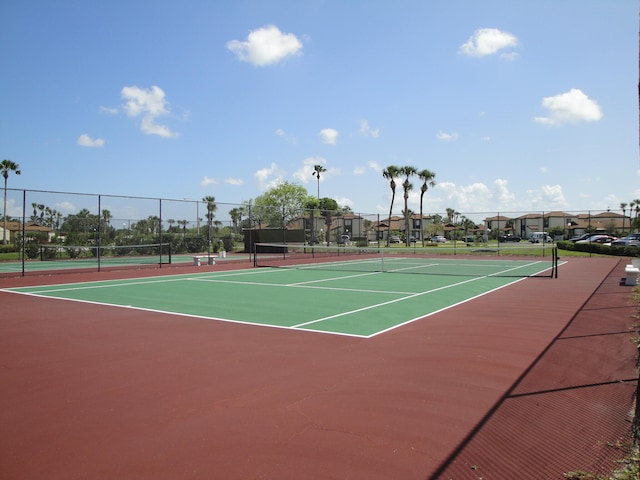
x=584, y=236
x=509, y=237
x=602, y=239
x=632, y=240
x=395, y=239
x=438, y=239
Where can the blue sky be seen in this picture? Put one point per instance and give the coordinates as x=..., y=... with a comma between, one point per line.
x=515, y=105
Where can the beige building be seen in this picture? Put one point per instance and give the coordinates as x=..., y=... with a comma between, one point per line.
x=15, y=228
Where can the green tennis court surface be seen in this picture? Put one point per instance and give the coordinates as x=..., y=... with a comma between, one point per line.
x=347, y=303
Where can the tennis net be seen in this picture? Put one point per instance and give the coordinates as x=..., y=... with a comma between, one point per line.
x=471, y=262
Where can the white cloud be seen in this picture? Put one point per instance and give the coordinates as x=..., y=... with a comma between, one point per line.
x=65, y=207
x=509, y=57
x=447, y=137
x=85, y=140
x=546, y=197
x=108, y=110
x=371, y=165
x=502, y=193
x=265, y=46
x=543, y=170
x=344, y=202
x=14, y=209
x=570, y=107
x=487, y=41
x=149, y=127
x=464, y=198
x=269, y=177
x=365, y=129
x=329, y=136
x=206, y=181
x=150, y=104
x=234, y=181
x=286, y=136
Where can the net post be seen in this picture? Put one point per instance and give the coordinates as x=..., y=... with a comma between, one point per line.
x=255, y=256
x=99, y=239
x=24, y=222
x=160, y=230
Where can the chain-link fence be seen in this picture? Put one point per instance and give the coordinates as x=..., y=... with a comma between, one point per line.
x=44, y=225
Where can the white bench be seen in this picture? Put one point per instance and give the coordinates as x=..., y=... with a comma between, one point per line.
x=197, y=259
x=631, y=273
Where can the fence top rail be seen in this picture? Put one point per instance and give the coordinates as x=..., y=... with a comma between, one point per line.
x=497, y=213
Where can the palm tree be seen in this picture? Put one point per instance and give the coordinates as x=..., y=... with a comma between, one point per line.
x=391, y=173
x=407, y=172
x=623, y=207
x=236, y=217
x=428, y=180
x=317, y=170
x=211, y=208
x=106, y=217
x=184, y=224
x=7, y=166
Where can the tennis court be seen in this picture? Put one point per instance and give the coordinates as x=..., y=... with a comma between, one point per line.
x=348, y=297
x=171, y=375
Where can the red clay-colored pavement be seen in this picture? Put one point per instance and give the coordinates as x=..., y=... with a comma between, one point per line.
x=529, y=382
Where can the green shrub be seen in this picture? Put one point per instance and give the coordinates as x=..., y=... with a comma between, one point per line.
x=9, y=248
x=229, y=242
x=32, y=250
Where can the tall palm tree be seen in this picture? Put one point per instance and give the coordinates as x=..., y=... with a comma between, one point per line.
x=623, y=207
x=428, y=180
x=106, y=218
x=211, y=208
x=391, y=173
x=407, y=172
x=317, y=170
x=236, y=216
x=7, y=166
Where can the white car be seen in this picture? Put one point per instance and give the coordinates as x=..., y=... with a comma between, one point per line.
x=438, y=239
x=540, y=237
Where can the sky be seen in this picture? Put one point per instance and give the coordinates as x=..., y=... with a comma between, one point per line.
x=514, y=105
